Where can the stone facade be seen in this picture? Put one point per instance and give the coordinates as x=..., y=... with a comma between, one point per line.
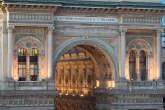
x=79, y=58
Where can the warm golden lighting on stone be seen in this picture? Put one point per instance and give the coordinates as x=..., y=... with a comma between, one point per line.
x=78, y=69
x=15, y=78
x=82, y=95
x=110, y=84
x=97, y=83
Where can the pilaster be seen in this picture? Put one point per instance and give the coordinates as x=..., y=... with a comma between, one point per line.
x=158, y=48
x=122, y=52
x=50, y=49
x=10, y=50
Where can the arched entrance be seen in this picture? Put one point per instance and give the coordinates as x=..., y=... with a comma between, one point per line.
x=80, y=69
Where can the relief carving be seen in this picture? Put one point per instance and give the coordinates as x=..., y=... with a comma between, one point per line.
x=30, y=38
x=39, y=33
x=139, y=44
x=29, y=42
x=154, y=20
x=30, y=17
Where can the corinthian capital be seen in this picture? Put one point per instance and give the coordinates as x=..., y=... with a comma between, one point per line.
x=10, y=27
x=123, y=29
x=160, y=30
x=51, y=27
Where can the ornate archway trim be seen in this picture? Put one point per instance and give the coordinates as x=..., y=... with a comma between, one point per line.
x=35, y=43
x=139, y=44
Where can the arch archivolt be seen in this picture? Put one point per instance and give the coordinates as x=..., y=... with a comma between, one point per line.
x=29, y=42
x=139, y=45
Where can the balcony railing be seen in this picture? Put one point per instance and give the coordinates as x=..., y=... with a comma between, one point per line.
x=47, y=85
x=30, y=85
x=142, y=84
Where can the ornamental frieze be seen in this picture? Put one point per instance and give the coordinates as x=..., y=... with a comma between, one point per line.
x=133, y=99
x=30, y=17
x=79, y=19
x=141, y=19
x=17, y=17
x=24, y=100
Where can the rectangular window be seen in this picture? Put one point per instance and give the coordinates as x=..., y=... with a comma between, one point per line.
x=21, y=59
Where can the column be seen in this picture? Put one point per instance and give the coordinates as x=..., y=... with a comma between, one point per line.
x=158, y=47
x=28, y=66
x=10, y=50
x=50, y=49
x=122, y=52
x=149, y=66
x=138, y=66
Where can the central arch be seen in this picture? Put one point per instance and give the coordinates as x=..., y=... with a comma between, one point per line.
x=80, y=66
x=92, y=42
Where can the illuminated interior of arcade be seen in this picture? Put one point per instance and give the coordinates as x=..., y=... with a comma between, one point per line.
x=79, y=71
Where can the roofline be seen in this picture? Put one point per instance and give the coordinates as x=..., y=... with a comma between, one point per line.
x=117, y=5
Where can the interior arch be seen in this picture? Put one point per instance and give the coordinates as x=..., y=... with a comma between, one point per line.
x=79, y=70
x=83, y=68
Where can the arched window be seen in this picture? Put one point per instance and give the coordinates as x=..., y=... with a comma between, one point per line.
x=163, y=70
x=143, y=70
x=33, y=67
x=22, y=64
x=132, y=65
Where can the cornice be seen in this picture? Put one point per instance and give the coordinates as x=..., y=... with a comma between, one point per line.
x=53, y=8
x=26, y=7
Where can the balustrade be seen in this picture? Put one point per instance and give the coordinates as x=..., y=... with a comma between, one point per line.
x=142, y=84
x=30, y=85
x=45, y=85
